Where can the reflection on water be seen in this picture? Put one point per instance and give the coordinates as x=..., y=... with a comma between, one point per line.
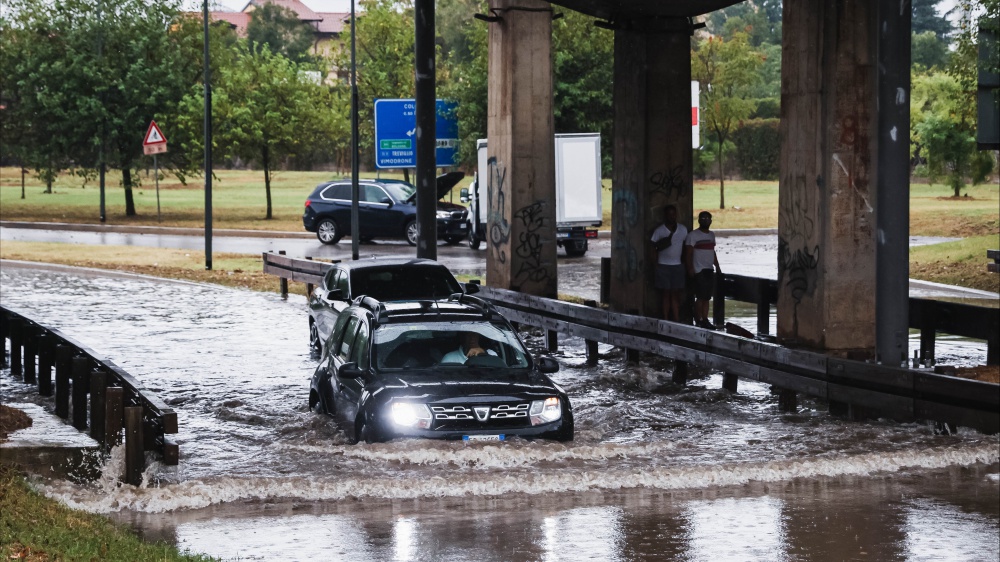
x=939, y=515
x=235, y=366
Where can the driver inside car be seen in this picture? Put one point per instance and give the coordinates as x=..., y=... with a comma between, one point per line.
x=469, y=346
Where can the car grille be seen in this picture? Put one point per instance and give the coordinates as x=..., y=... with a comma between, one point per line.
x=458, y=215
x=463, y=416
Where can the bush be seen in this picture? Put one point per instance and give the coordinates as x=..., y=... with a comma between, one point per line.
x=767, y=108
x=758, y=149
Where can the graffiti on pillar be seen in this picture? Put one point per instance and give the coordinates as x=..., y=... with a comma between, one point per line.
x=852, y=143
x=531, y=220
x=626, y=217
x=798, y=255
x=499, y=227
x=668, y=182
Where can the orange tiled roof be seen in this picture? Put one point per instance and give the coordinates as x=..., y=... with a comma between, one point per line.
x=239, y=20
x=333, y=22
x=305, y=14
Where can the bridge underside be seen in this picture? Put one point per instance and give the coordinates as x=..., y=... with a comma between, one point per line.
x=840, y=158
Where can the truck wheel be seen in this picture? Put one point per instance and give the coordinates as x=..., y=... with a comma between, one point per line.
x=328, y=232
x=411, y=233
x=576, y=249
x=473, y=240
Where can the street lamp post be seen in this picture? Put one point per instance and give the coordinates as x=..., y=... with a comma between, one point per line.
x=355, y=226
x=208, y=146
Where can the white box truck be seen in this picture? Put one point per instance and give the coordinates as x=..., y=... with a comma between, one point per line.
x=578, y=192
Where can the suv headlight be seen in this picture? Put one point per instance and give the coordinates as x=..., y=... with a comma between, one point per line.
x=444, y=214
x=545, y=411
x=411, y=415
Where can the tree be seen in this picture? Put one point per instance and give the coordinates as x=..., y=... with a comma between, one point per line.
x=928, y=51
x=926, y=18
x=464, y=53
x=95, y=72
x=264, y=111
x=279, y=29
x=727, y=70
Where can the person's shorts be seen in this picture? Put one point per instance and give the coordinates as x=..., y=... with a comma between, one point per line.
x=703, y=284
x=669, y=277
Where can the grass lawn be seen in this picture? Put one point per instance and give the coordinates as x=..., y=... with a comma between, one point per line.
x=33, y=527
x=962, y=263
x=238, y=201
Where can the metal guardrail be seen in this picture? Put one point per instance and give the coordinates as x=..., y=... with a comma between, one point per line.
x=119, y=407
x=883, y=390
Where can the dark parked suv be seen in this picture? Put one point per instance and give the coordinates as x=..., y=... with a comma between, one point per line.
x=448, y=369
x=386, y=209
x=387, y=279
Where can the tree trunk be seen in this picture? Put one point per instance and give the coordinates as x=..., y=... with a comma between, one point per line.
x=23, y=171
x=129, y=200
x=266, y=158
x=722, y=181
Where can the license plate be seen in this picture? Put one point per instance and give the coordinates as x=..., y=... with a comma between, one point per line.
x=482, y=437
x=562, y=235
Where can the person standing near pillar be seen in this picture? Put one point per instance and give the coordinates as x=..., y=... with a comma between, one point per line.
x=700, y=258
x=668, y=245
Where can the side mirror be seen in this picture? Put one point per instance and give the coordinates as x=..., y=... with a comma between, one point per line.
x=349, y=371
x=463, y=195
x=471, y=288
x=387, y=201
x=335, y=295
x=547, y=365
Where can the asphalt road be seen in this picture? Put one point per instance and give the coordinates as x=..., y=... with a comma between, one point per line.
x=753, y=255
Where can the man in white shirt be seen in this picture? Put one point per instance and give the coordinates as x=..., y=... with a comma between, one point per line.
x=668, y=246
x=468, y=347
x=700, y=258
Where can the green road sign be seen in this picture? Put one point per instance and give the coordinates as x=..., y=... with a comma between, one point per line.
x=395, y=144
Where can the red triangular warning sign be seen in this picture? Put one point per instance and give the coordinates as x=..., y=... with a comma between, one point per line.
x=154, y=135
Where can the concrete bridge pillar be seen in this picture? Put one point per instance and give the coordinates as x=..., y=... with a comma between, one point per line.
x=521, y=216
x=826, y=221
x=652, y=150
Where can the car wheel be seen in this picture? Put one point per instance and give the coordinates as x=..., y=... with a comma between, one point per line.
x=328, y=232
x=473, y=240
x=315, y=404
x=314, y=336
x=411, y=232
x=365, y=432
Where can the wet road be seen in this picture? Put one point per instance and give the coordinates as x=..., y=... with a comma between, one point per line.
x=655, y=472
x=754, y=256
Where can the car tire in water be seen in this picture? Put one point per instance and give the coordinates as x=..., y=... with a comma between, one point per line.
x=328, y=232
x=314, y=343
x=411, y=233
x=473, y=240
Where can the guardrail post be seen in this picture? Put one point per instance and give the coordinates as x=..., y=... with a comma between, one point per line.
x=763, y=307
x=993, y=349
x=552, y=340
x=29, y=345
x=680, y=374
x=730, y=382
x=81, y=368
x=605, y=295
x=64, y=367
x=927, y=334
x=719, y=301
x=16, y=327
x=283, y=282
x=114, y=401
x=98, y=394
x=788, y=401
x=45, y=351
x=4, y=335
x=591, y=344
x=134, y=450
x=309, y=286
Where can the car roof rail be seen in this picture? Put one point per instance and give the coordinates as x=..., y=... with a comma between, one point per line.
x=467, y=299
x=372, y=304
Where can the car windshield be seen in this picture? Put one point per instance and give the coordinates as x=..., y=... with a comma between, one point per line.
x=404, y=283
x=400, y=191
x=449, y=345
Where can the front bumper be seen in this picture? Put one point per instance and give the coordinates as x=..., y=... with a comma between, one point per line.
x=452, y=228
x=559, y=430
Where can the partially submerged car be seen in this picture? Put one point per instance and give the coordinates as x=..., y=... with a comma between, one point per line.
x=385, y=279
x=452, y=369
x=386, y=209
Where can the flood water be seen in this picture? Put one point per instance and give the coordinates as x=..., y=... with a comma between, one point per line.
x=655, y=472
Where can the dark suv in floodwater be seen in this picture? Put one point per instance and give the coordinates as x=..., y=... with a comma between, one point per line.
x=386, y=209
x=450, y=369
